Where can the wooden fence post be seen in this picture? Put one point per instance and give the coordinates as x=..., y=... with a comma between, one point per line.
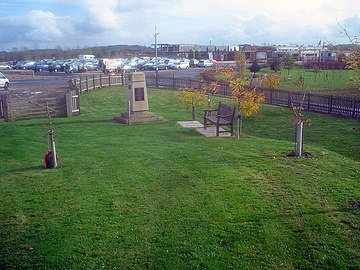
x=109, y=80
x=94, y=86
x=101, y=82
x=5, y=106
x=87, y=83
x=68, y=103
x=80, y=85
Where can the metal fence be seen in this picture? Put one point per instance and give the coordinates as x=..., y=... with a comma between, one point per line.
x=327, y=104
x=29, y=105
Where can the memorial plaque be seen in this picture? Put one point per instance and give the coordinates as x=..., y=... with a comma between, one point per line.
x=139, y=94
x=137, y=100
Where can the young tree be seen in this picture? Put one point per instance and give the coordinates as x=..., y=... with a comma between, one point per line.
x=240, y=61
x=352, y=61
x=248, y=99
x=300, y=118
x=288, y=62
x=210, y=89
x=275, y=64
x=272, y=80
x=254, y=67
x=197, y=55
x=298, y=122
x=191, y=98
x=191, y=54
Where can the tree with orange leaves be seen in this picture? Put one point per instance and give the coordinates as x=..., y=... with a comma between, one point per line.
x=248, y=99
x=191, y=98
x=353, y=59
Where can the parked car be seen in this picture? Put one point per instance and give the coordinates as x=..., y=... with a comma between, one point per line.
x=4, y=82
x=4, y=66
x=162, y=65
x=194, y=62
x=56, y=66
x=180, y=65
x=205, y=63
x=41, y=67
x=128, y=67
x=149, y=66
x=29, y=65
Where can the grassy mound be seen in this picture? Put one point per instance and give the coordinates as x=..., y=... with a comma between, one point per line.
x=159, y=196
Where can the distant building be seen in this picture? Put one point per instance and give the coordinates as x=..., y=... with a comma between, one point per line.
x=316, y=54
x=262, y=53
x=293, y=50
x=84, y=57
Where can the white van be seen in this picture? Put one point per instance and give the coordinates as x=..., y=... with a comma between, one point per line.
x=4, y=82
x=205, y=63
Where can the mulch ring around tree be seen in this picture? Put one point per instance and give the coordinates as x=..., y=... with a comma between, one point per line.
x=304, y=154
x=354, y=203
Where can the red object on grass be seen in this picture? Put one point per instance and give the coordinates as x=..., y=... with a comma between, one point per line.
x=48, y=160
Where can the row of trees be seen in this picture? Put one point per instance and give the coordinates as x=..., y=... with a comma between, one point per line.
x=116, y=51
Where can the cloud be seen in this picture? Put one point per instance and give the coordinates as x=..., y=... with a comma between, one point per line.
x=36, y=26
x=45, y=26
x=93, y=22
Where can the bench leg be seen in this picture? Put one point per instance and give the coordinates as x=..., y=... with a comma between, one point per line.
x=204, y=123
x=217, y=131
x=232, y=130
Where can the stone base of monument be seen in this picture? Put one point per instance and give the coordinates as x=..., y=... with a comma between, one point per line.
x=138, y=118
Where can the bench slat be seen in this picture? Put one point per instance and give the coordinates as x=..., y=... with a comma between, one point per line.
x=224, y=116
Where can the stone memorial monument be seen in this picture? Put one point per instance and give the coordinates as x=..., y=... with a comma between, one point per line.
x=137, y=101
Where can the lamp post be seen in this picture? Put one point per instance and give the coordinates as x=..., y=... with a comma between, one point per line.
x=156, y=60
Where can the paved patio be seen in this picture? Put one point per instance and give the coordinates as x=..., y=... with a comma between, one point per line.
x=210, y=131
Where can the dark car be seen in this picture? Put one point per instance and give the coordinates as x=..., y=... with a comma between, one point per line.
x=194, y=62
x=56, y=66
x=41, y=67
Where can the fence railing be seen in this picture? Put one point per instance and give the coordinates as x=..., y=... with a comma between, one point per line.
x=327, y=104
x=17, y=106
x=93, y=82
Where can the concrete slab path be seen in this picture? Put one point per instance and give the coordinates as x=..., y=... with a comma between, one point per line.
x=208, y=132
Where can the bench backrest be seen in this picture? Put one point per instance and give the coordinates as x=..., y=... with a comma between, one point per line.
x=224, y=109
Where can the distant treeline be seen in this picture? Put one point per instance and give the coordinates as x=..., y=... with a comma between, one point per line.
x=114, y=51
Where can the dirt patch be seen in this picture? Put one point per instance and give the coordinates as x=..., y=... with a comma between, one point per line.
x=354, y=203
x=293, y=154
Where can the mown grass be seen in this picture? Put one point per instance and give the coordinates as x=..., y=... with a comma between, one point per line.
x=327, y=82
x=159, y=196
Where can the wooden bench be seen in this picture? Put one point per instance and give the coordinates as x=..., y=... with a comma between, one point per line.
x=224, y=117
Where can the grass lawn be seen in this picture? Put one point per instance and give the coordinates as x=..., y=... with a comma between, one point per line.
x=327, y=82
x=159, y=196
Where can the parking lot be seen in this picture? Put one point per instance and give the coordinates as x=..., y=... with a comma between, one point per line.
x=28, y=80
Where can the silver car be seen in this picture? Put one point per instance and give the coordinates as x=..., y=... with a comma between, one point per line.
x=4, y=66
x=4, y=82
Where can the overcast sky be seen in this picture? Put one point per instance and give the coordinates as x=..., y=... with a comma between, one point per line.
x=39, y=24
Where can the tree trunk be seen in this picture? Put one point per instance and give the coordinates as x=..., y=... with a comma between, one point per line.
x=299, y=138
x=239, y=123
x=193, y=113
x=53, y=149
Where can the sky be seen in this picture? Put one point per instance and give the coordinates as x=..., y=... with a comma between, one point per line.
x=49, y=24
